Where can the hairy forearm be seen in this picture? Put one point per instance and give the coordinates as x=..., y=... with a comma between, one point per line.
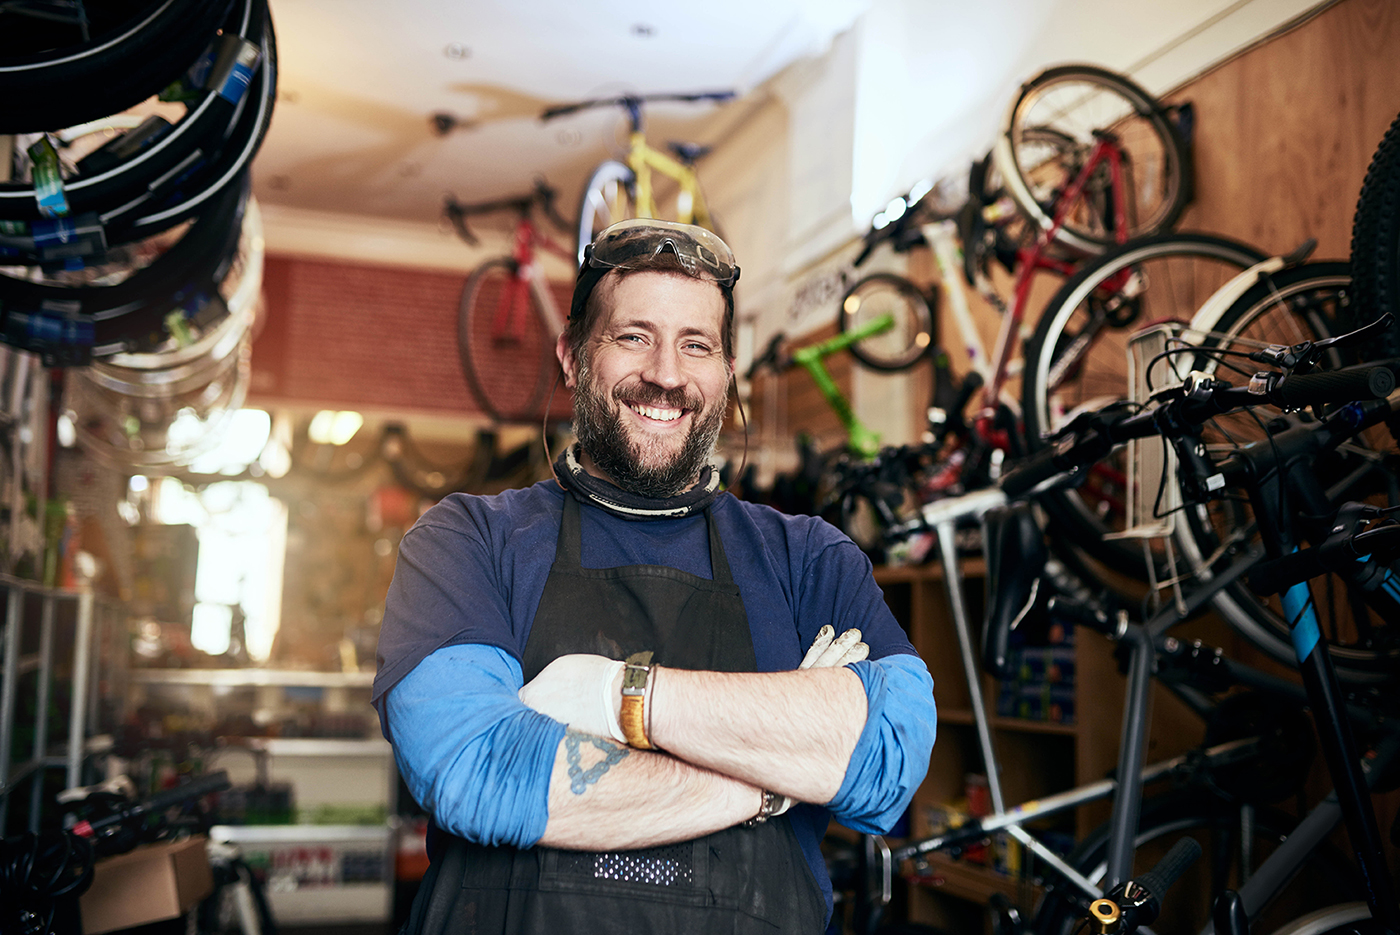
x=791, y=732
x=605, y=796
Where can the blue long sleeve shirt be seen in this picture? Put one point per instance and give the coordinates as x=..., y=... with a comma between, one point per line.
x=480, y=761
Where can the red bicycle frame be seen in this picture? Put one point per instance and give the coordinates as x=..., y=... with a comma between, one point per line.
x=1032, y=259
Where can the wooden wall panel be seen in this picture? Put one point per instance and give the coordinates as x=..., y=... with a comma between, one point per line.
x=1284, y=133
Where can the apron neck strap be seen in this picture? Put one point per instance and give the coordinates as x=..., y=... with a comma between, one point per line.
x=568, y=550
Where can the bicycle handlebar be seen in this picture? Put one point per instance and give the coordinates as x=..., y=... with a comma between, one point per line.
x=1337, y=386
x=1197, y=401
x=1278, y=574
x=543, y=195
x=771, y=357
x=199, y=786
x=1161, y=877
x=1138, y=902
x=631, y=101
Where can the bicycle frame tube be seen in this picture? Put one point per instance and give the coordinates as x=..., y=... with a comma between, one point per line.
x=1270, y=877
x=643, y=159
x=1031, y=260
x=1339, y=750
x=1036, y=809
x=860, y=438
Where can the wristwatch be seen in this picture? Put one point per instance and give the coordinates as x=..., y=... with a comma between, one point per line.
x=632, y=717
x=772, y=801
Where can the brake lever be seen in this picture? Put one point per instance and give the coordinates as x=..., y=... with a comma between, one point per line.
x=1305, y=355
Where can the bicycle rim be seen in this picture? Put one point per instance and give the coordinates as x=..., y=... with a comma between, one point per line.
x=896, y=348
x=504, y=343
x=1077, y=360
x=1047, y=140
x=1216, y=827
x=1375, y=244
x=607, y=199
x=1303, y=303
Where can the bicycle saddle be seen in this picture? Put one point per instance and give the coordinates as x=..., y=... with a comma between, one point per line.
x=1015, y=549
x=688, y=153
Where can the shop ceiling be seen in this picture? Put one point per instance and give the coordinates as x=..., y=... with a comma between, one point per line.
x=353, y=145
x=361, y=80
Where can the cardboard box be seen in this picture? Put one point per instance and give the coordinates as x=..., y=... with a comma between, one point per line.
x=151, y=883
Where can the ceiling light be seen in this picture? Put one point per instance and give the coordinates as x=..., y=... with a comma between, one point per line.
x=64, y=429
x=920, y=190
x=895, y=209
x=457, y=51
x=345, y=426
x=319, y=431
x=334, y=428
x=240, y=445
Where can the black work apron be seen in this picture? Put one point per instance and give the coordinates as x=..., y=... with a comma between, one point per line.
x=739, y=880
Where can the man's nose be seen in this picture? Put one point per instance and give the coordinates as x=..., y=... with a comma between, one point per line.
x=663, y=367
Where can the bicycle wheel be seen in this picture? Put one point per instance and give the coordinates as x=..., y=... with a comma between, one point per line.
x=896, y=348
x=607, y=199
x=1293, y=305
x=133, y=50
x=1375, y=245
x=1077, y=359
x=1049, y=133
x=504, y=343
x=1216, y=825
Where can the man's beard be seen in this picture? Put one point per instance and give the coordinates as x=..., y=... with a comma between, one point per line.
x=631, y=463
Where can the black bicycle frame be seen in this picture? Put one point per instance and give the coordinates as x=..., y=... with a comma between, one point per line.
x=1280, y=477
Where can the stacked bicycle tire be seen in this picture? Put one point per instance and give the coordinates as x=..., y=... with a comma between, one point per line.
x=129, y=247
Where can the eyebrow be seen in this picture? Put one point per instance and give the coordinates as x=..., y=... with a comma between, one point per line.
x=643, y=325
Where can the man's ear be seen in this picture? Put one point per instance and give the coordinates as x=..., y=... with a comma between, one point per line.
x=566, y=360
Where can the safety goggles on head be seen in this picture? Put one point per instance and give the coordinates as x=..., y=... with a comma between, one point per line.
x=636, y=242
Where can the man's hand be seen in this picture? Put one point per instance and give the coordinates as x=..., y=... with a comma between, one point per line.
x=829, y=651
x=581, y=690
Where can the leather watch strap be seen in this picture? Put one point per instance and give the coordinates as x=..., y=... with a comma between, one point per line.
x=635, y=675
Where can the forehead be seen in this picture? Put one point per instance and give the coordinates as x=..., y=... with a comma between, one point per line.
x=664, y=301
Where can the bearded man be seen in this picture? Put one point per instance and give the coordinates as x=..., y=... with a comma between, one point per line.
x=650, y=731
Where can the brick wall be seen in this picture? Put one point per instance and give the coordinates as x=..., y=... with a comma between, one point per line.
x=354, y=336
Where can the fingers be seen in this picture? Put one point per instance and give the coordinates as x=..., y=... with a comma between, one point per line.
x=819, y=646
x=829, y=651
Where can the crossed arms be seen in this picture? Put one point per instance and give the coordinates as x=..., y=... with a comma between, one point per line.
x=856, y=739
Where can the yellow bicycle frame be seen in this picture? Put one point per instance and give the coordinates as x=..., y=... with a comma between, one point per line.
x=642, y=159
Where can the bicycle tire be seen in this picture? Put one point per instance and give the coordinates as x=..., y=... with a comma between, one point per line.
x=1172, y=275
x=135, y=50
x=161, y=210
x=210, y=125
x=1078, y=102
x=1167, y=818
x=901, y=346
x=131, y=313
x=1375, y=244
x=1308, y=301
x=608, y=197
x=498, y=370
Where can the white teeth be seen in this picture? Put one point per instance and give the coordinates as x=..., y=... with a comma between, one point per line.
x=661, y=415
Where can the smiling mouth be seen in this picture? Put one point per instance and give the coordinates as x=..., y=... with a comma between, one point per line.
x=657, y=413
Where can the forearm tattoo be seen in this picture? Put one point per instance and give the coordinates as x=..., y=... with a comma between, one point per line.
x=580, y=778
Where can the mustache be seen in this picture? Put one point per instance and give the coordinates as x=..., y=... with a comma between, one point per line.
x=649, y=394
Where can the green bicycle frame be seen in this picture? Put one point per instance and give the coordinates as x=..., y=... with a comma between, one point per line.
x=860, y=439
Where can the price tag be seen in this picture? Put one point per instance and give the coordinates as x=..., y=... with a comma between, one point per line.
x=233, y=72
x=48, y=179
